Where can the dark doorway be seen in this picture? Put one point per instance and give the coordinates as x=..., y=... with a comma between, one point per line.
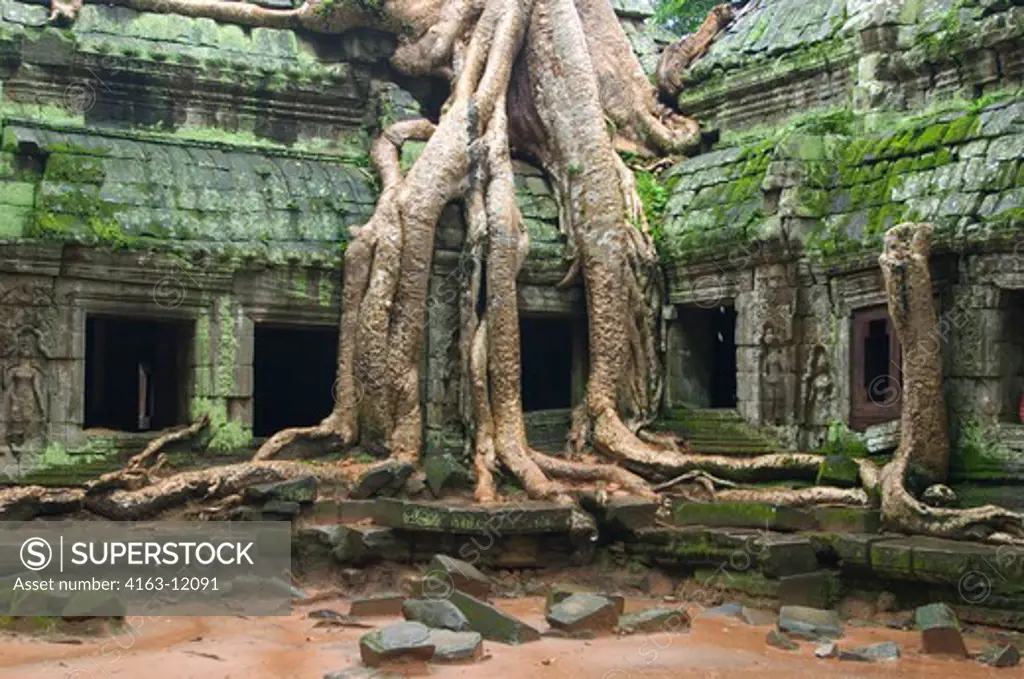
x=293, y=376
x=723, y=358
x=135, y=373
x=708, y=375
x=875, y=362
x=1011, y=369
x=546, y=355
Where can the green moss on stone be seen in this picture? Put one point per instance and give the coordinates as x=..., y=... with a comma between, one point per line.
x=841, y=441
x=227, y=347
x=226, y=435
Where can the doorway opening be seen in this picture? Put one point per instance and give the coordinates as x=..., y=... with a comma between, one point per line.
x=293, y=376
x=709, y=356
x=546, y=358
x=135, y=373
x=1011, y=370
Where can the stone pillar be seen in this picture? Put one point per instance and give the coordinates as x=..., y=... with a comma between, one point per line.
x=773, y=308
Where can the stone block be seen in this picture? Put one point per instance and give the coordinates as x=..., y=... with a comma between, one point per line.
x=361, y=545
x=892, y=558
x=656, y=620
x=810, y=623
x=815, y=590
x=940, y=630
x=453, y=647
x=559, y=593
x=300, y=490
x=1007, y=655
x=579, y=612
x=439, y=614
x=398, y=643
x=839, y=471
x=847, y=519
x=884, y=651
x=779, y=640
x=381, y=605
x=741, y=515
x=492, y=623
x=781, y=555
x=462, y=575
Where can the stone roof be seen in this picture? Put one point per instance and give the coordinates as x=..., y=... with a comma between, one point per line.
x=839, y=190
x=122, y=190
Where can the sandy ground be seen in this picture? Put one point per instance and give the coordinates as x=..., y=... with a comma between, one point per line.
x=290, y=648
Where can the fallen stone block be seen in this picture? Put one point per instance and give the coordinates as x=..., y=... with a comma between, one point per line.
x=940, y=630
x=562, y=592
x=440, y=614
x=377, y=606
x=398, y=643
x=583, y=612
x=451, y=646
x=656, y=620
x=884, y=651
x=462, y=575
x=385, y=479
x=492, y=623
x=1000, y=656
x=779, y=640
x=811, y=624
x=829, y=650
x=756, y=617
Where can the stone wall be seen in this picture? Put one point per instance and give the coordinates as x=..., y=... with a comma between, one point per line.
x=785, y=224
x=170, y=168
x=783, y=56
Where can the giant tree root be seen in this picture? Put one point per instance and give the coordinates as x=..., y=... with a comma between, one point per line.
x=142, y=460
x=924, y=443
x=152, y=497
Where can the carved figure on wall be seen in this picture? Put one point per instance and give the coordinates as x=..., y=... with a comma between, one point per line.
x=817, y=383
x=773, y=400
x=25, y=407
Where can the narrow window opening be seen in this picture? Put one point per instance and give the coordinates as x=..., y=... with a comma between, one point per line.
x=877, y=372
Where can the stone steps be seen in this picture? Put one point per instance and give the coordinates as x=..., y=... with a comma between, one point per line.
x=715, y=431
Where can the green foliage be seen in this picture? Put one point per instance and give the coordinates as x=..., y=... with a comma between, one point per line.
x=654, y=196
x=683, y=16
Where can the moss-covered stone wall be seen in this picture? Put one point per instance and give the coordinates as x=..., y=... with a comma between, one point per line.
x=783, y=56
